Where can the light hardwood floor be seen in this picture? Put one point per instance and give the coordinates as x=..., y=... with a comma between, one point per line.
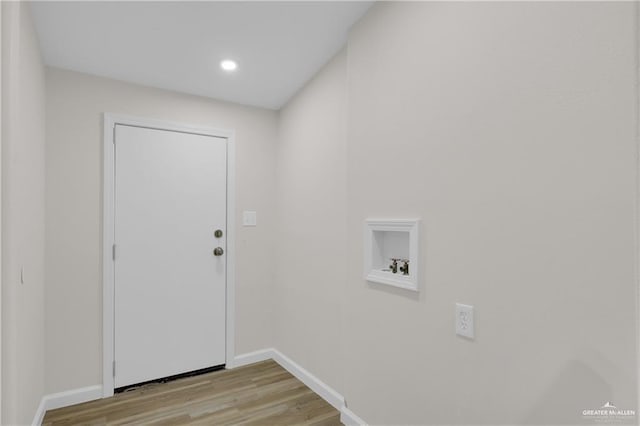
x=259, y=394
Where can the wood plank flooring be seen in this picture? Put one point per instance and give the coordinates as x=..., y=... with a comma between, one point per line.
x=259, y=394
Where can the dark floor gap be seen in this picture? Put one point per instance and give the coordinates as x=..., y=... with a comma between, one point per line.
x=169, y=378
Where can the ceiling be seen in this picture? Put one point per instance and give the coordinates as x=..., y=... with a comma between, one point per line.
x=178, y=46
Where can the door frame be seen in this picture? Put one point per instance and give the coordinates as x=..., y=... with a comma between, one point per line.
x=108, y=228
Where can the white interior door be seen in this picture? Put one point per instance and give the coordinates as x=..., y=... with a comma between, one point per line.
x=170, y=288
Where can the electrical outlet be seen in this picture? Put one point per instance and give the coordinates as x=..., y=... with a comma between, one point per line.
x=464, y=320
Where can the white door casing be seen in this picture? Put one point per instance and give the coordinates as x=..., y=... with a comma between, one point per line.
x=165, y=307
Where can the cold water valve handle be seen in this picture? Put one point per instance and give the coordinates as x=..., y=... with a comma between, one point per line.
x=405, y=267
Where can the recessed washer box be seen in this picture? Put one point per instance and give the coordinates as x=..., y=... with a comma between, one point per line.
x=386, y=240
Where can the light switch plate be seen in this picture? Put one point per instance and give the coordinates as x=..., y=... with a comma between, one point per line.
x=249, y=218
x=464, y=321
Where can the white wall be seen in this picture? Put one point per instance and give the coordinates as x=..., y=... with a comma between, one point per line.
x=23, y=173
x=312, y=200
x=75, y=103
x=509, y=128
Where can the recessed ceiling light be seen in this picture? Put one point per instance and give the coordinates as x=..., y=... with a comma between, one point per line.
x=228, y=65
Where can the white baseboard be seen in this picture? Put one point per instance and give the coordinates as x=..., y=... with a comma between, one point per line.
x=40, y=412
x=315, y=384
x=347, y=416
x=65, y=399
x=252, y=357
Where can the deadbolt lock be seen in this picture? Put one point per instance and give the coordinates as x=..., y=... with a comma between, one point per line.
x=218, y=251
x=218, y=233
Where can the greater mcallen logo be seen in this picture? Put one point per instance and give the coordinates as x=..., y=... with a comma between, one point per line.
x=609, y=413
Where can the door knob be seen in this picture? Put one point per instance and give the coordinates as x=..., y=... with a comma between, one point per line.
x=218, y=251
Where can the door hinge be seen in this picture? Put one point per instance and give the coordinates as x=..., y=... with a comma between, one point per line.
x=113, y=252
x=114, y=369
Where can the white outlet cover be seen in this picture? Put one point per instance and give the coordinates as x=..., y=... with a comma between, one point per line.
x=464, y=321
x=249, y=218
